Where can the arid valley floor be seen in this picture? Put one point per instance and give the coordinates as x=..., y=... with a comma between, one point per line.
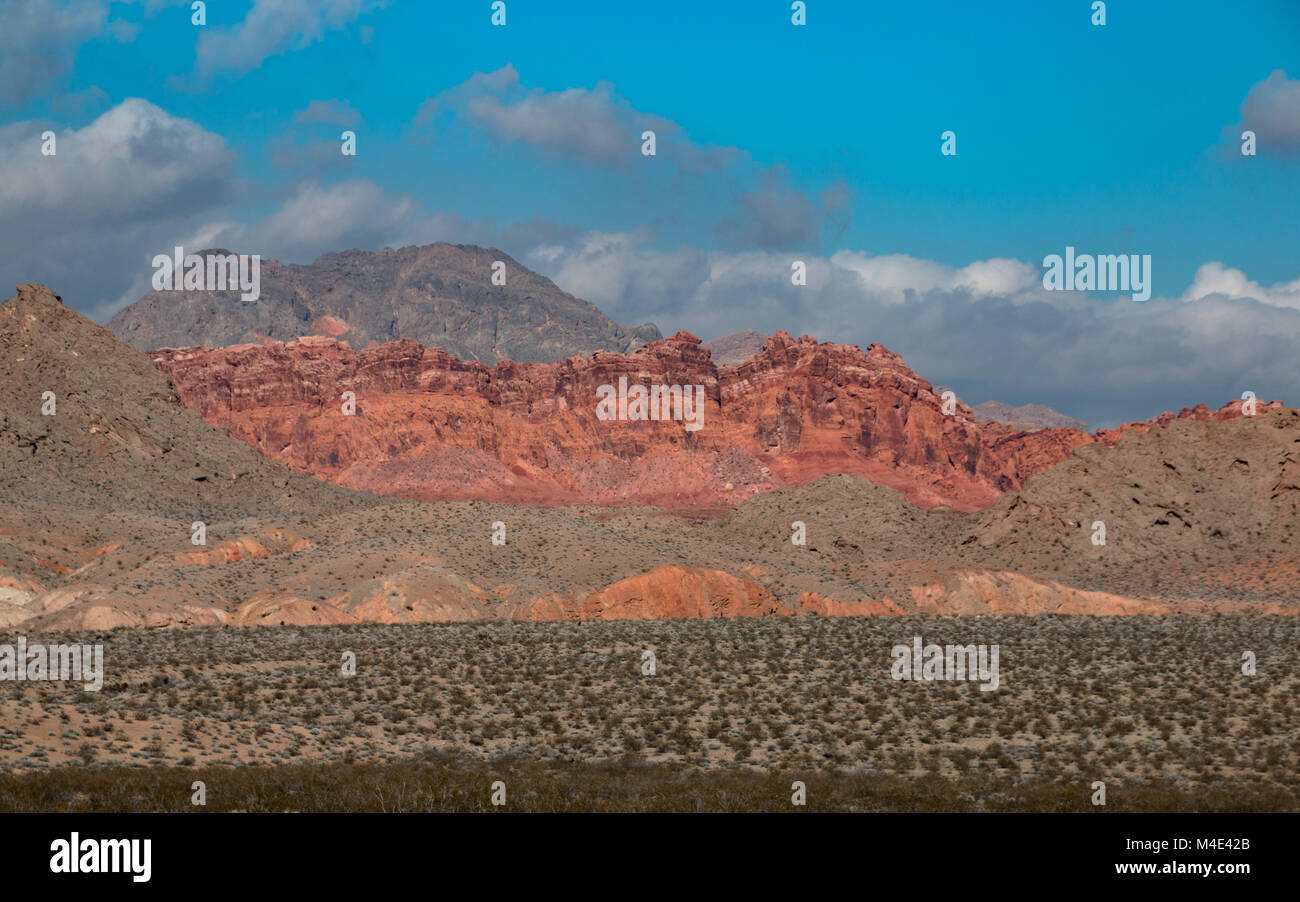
x=1156, y=708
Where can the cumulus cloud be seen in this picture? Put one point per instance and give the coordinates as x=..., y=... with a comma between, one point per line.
x=988, y=328
x=41, y=40
x=591, y=126
x=135, y=161
x=335, y=112
x=88, y=219
x=1216, y=279
x=320, y=218
x=1272, y=111
x=898, y=278
x=773, y=216
x=628, y=280
x=272, y=27
x=595, y=128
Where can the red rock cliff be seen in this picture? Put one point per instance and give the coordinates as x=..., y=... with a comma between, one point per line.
x=430, y=426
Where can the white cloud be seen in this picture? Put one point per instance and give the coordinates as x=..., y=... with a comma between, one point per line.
x=897, y=278
x=584, y=125
x=987, y=328
x=41, y=39
x=272, y=27
x=317, y=219
x=1271, y=110
x=571, y=123
x=1216, y=279
x=88, y=220
x=135, y=161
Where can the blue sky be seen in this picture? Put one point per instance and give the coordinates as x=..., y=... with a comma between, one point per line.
x=775, y=143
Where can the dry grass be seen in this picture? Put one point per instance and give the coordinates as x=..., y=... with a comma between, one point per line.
x=461, y=785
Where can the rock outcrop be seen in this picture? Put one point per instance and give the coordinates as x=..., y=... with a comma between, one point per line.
x=429, y=426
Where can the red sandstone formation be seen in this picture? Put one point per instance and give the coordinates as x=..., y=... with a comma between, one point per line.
x=428, y=426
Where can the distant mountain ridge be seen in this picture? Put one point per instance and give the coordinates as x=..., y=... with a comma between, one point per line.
x=441, y=295
x=1027, y=416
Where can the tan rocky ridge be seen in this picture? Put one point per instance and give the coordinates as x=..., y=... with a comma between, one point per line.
x=98, y=502
x=1203, y=496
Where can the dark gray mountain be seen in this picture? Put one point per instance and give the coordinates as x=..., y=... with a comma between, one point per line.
x=440, y=294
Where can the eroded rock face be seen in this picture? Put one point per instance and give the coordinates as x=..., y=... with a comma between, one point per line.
x=429, y=426
x=436, y=595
